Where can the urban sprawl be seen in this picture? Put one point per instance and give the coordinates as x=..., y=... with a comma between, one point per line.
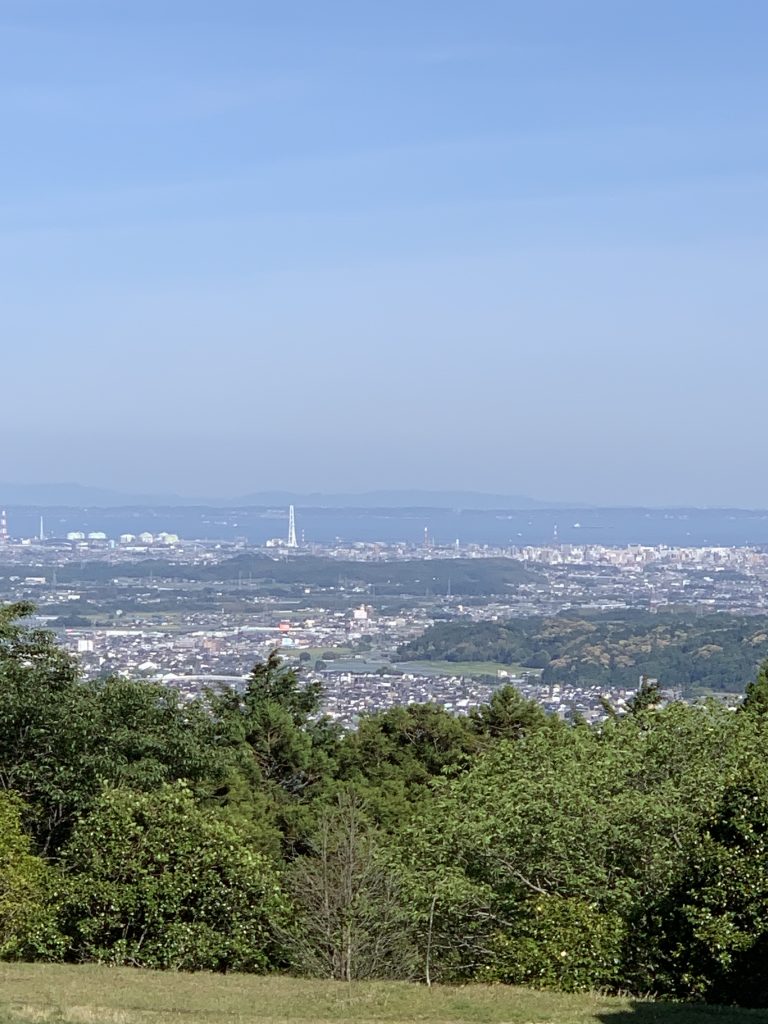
x=169, y=623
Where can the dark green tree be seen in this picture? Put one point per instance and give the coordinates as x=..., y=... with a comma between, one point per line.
x=394, y=757
x=756, y=693
x=283, y=750
x=271, y=719
x=715, y=944
x=508, y=715
x=647, y=698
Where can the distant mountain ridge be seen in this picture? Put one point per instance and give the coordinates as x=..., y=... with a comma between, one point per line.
x=82, y=496
x=395, y=499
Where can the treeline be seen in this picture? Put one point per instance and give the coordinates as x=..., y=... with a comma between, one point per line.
x=693, y=654
x=460, y=576
x=244, y=831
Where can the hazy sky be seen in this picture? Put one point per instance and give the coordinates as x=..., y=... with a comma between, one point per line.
x=510, y=246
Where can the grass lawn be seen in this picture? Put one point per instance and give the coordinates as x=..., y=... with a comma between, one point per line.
x=463, y=668
x=53, y=994
x=339, y=653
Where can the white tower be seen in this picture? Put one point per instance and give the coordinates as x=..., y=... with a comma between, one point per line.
x=291, y=528
x=3, y=527
x=42, y=529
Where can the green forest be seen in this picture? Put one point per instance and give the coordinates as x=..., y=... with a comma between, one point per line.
x=243, y=831
x=462, y=576
x=712, y=653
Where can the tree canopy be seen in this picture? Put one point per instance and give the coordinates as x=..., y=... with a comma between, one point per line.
x=245, y=831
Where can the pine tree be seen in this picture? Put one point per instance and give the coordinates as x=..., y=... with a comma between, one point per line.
x=756, y=695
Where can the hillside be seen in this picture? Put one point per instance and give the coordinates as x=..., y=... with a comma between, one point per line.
x=463, y=576
x=693, y=654
x=52, y=994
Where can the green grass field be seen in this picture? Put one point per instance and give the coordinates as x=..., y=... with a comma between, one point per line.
x=53, y=994
x=463, y=668
x=317, y=652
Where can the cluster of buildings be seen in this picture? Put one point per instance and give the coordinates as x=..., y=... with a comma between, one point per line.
x=193, y=634
x=640, y=555
x=135, y=541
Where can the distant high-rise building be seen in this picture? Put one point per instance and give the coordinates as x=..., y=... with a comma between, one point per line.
x=292, y=528
x=3, y=527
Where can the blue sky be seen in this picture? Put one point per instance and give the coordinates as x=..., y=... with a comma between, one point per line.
x=506, y=246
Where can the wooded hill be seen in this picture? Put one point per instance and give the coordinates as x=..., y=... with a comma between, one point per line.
x=693, y=654
x=417, y=577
